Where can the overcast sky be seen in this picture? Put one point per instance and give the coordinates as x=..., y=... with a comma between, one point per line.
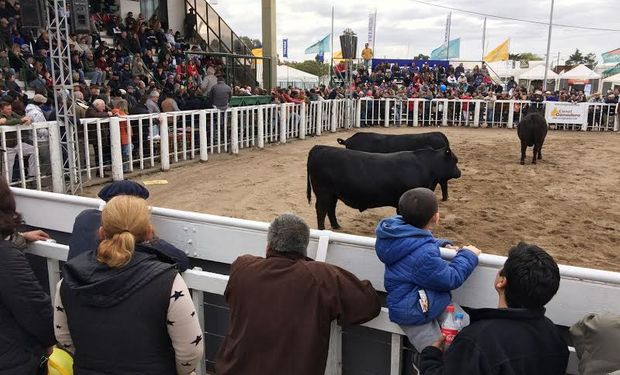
x=406, y=28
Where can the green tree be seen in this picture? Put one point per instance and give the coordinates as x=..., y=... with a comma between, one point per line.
x=525, y=56
x=251, y=43
x=579, y=58
x=422, y=57
x=312, y=67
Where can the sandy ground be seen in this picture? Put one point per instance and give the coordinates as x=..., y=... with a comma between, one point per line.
x=569, y=204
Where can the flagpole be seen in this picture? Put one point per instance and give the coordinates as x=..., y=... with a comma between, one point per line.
x=484, y=37
x=331, y=65
x=374, y=34
x=548, y=46
x=449, y=27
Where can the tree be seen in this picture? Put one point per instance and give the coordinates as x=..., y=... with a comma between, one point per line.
x=422, y=57
x=251, y=43
x=525, y=56
x=578, y=58
x=311, y=66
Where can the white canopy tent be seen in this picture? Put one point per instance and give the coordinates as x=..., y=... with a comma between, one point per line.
x=581, y=73
x=288, y=76
x=538, y=73
x=613, y=79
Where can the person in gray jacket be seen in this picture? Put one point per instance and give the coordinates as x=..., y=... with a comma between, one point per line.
x=221, y=94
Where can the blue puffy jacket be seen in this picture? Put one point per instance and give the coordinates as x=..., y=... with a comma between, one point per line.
x=413, y=262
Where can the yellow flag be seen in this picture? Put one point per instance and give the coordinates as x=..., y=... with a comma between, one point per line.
x=258, y=52
x=500, y=53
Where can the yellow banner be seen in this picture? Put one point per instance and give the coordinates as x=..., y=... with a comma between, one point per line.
x=500, y=53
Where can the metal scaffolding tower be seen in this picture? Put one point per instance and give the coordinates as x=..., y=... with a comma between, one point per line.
x=60, y=55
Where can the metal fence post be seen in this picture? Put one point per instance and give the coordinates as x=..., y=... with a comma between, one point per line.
x=202, y=133
x=58, y=180
x=164, y=143
x=234, y=131
x=416, y=112
x=358, y=113
x=283, y=118
x=334, y=117
x=444, y=121
x=260, y=134
x=511, y=115
x=115, y=149
x=302, y=121
x=387, y=113
x=319, y=118
x=617, y=119
x=477, y=114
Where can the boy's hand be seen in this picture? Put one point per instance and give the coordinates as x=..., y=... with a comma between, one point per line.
x=451, y=247
x=440, y=343
x=473, y=249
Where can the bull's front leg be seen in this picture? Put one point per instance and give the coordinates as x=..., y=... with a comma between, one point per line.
x=444, y=190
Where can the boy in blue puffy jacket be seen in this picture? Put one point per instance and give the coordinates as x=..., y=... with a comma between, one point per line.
x=417, y=280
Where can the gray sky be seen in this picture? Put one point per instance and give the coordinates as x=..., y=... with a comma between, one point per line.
x=406, y=28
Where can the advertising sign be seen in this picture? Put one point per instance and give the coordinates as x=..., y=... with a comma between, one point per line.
x=565, y=113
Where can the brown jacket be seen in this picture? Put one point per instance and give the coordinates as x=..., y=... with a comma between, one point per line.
x=281, y=308
x=11, y=137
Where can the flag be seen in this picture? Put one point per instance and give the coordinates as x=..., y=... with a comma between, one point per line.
x=500, y=53
x=285, y=48
x=612, y=56
x=612, y=71
x=371, y=28
x=258, y=52
x=319, y=47
x=441, y=53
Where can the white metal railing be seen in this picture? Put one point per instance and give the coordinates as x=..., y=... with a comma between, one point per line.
x=223, y=239
x=159, y=140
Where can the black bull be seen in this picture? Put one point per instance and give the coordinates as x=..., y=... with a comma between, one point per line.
x=532, y=130
x=388, y=143
x=365, y=180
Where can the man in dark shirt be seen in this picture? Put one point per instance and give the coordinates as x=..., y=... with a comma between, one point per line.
x=516, y=338
x=221, y=94
x=84, y=236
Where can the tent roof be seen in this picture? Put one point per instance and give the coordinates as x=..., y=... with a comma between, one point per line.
x=538, y=73
x=614, y=79
x=285, y=72
x=581, y=72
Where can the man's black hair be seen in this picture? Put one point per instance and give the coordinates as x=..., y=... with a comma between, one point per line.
x=417, y=206
x=532, y=277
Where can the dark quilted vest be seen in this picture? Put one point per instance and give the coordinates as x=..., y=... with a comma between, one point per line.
x=129, y=338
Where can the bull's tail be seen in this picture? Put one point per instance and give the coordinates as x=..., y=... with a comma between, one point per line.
x=342, y=141
x=309, y=188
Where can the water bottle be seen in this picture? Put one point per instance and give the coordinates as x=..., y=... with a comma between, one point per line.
x=458, y=318
x=449, y=327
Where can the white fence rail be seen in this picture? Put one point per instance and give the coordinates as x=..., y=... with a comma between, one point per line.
x=111, y=147
x=222, y=240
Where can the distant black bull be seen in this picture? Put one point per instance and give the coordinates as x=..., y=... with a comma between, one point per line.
x=387, y=143
x=365, y=180
x=532, y=130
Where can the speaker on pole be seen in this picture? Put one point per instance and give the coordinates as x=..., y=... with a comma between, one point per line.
x=32, y=13
x=348, y=45
x=80, y=16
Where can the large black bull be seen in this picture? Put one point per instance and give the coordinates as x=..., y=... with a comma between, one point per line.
x=388, y=143
x=365, y=180
x=532, y=130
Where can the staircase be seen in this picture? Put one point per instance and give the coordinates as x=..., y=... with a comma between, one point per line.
x=220, y=38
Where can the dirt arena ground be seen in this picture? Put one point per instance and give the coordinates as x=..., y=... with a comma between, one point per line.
x=569, y=203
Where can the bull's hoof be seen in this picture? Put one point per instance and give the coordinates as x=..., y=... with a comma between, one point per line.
x=444, y=199
x=522, y=162
x=534, y=161
x=336, y=227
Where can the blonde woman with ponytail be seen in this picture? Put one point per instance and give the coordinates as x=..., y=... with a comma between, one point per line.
x=120, y=309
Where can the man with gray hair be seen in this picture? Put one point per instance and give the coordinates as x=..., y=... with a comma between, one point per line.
x=281, y=306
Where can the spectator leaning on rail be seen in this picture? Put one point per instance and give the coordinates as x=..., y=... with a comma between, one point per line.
x=123, y=310
x=515, y=338
x=221, y=94
x=85, y=237
x=596, y=339
x=417, y=280
x=8, y=117
x=26, y=327
x=281, y=306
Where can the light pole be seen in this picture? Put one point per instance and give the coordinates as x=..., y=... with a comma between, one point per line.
x=548, y=46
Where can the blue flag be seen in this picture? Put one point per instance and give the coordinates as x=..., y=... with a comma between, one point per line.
x=441, y=53
x=321, y=46
x=285, y=48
